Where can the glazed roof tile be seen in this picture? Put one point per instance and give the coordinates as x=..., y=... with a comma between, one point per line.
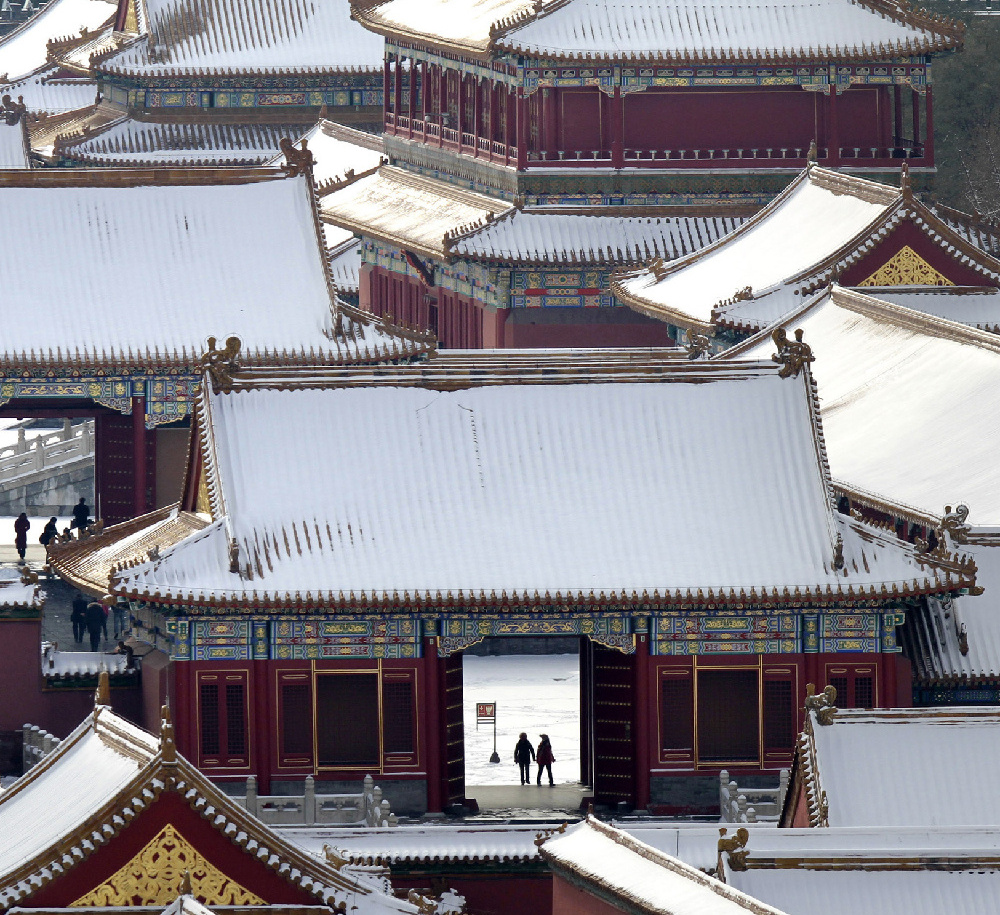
x=13, y=148
x=15, y=594
x=413, y=212
x=345, y=263
x=532, y=236
x=818, y=214
x=339, y=150
x=650, y=30
x=607, y=861
x=25, y=50
x=539, y=476
x=890, y=380
x=44, y=92
x=129, y=142
x=249, y=36
x=893, y=768
x=200, y=261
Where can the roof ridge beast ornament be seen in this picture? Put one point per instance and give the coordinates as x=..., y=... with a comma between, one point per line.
x=221, y=364
x=792, y=355
x=822, y=704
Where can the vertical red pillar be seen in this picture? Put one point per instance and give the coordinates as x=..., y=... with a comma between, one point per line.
x=264, y=718
x=617, y=129
x=139, y=456
x=522, y=131
x=386, y=100
x=184, y=711
x=491, y=128
x=463, y=126
x=916, y=119
x=833, y=140
x=411, y=108
x=425, y=85
x=929, y=127
x=434, y=725
x=641, y=712
x=897, y=114
x=443, y=96
x=397, y=90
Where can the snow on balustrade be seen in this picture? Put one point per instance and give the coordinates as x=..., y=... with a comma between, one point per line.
x=47, y=451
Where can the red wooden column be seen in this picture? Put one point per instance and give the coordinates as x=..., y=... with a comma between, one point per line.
x=617, y=129
x=916, y=118
x=397, y=89
x=386, y=100
x=522, y=131
x=433, y=718
x=833, y=131
x=262, y=700
x=897, y=113
x=425, y=89
x=643, y=709
x=929, y=126
x=494, y=113
x=139, y=456
x=411, y=108
x=462, y=124
x=443, y=97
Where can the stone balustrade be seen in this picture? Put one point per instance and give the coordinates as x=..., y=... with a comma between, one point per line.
x=71, y=443
x=368, y=808
x=751, y=805
x=36, y=745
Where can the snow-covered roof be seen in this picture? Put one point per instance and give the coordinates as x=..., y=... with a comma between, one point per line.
x=339, y=152
x=13, y=148
x=49, y=91
x=130, y=142
x=48, y=132
x=598, y=237
x=575, y=476
x=424, y=844
x=59, y=665
x=900, y=767
x=87, y=564
x=417, y=213
x=958, y=641
x=102, y=777
x=25, y=49
x=248, y=37
x=834, y=890
x=15, y=594
x=345, y=264
x=977, y=306
x=690, y=30
x=607, y=862
x=891, y=381
x=815, y=216
x=199, y=254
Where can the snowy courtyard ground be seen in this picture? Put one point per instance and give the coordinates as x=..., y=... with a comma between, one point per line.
x=534, y=693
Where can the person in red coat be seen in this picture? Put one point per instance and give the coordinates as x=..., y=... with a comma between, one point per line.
x=544, y=758
x=21, y=525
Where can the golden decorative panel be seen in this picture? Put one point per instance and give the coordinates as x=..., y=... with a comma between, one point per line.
x=131, y=20
x=906, y=268
x=155, y=876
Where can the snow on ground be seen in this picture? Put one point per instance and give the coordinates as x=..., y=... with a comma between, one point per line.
x=34, y=532
x=534, y=693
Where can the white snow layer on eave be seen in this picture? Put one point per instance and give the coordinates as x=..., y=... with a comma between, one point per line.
x=162, y=268
x=24, y=50
x=626, y=28
x=334, y=156
x=39, y=817
x=458, y=21
x=907, y=415
x=667, y=886
x=905, y=772
x=979, y=308
x=251, y=36
x=12, y=151
x=808, y=226
x=42, y=94
x=801, y=891
x=561, y=487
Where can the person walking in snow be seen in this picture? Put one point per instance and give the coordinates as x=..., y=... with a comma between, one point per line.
x=51, y=530
x=96, y=621
x=79, y=617
x=545, y=758
x=81, y=515
x=524, y=755
x=21, y=525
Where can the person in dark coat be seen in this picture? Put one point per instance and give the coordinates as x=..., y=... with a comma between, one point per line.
x=95, y=623
x=51, y=530
x=81, y=514
x=545, y=758
x=524, y=754
x=79, y=617
x=21, y=525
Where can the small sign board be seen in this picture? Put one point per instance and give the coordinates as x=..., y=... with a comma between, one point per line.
x=486, y=713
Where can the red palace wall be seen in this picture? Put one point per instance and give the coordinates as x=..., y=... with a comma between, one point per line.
x=512, y=889
x=569, y=900
x=462, y=322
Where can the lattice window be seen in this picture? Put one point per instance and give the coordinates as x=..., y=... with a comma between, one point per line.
x=843, y=700
x=296, y=720
x=347, y=717
x=209, y=718
x=236, y=724
x=397, y=717
x=677, y=713
x=779, y=715
x=864, y=692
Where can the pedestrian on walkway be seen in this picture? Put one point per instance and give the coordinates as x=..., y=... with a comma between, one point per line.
x=51, y=530
x=96, y=619
x=121, y=618
x=79, y=617
x=81, y=514
x=524, y=754
x=545, y=758
x=21, y=525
